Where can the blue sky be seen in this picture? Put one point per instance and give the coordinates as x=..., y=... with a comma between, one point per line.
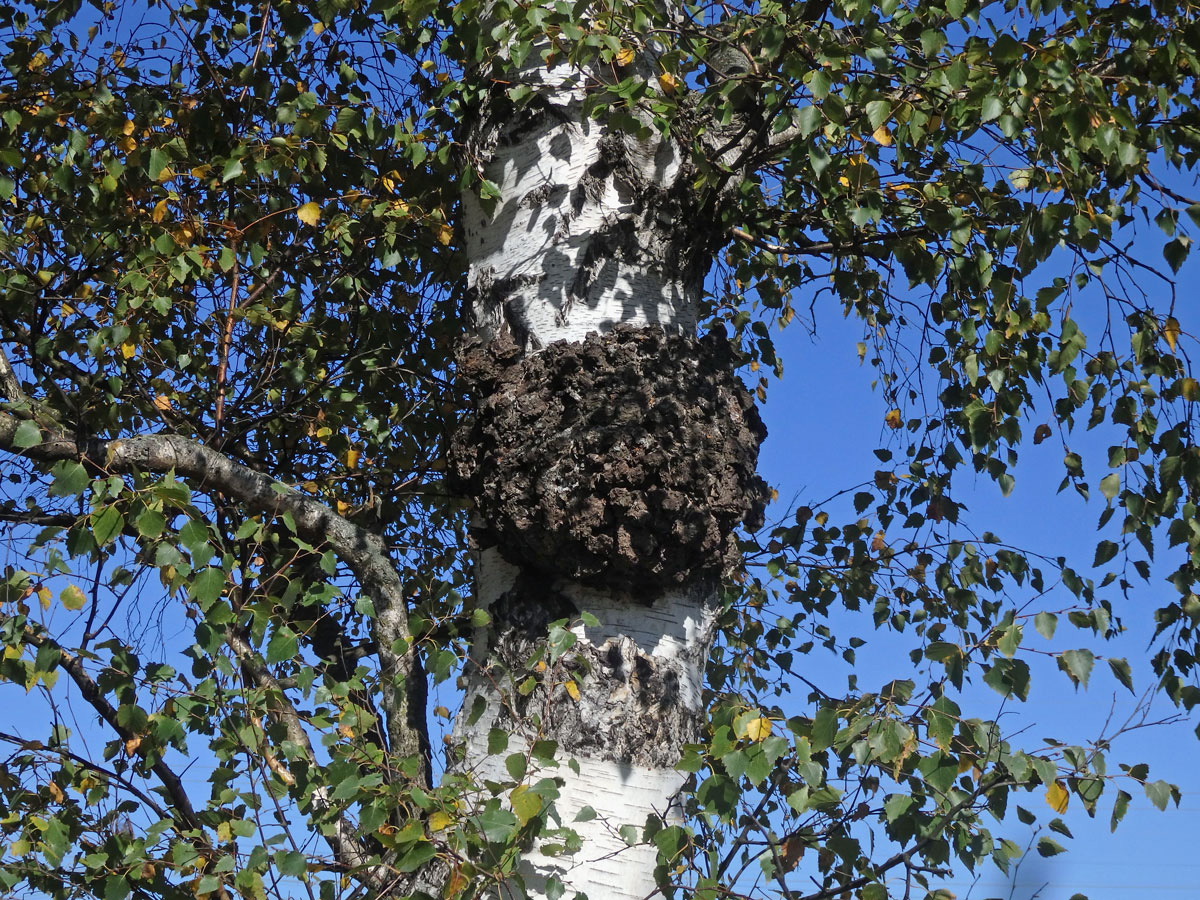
x=824, y=421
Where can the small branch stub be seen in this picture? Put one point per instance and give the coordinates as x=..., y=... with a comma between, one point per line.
x=624, y=461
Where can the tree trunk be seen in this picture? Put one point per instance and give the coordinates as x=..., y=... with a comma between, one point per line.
x=608, y=471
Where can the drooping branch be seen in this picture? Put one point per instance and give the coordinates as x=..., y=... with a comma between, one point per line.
x=364, y=552
x=181, y=804
x=109, y=774
x=348, y=849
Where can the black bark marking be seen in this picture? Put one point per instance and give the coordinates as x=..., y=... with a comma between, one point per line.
x=629, y=707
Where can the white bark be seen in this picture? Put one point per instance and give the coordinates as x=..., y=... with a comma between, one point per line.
x=674, y=632
x=588, y=233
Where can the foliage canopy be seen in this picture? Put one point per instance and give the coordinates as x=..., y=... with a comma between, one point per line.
x=231, y=293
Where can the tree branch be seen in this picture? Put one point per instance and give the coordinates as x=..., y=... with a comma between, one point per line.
x=364, y=552
x=347, y=848
x=54, y=752
x=182, y=810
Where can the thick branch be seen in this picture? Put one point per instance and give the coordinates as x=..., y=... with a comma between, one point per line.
x=364, y=552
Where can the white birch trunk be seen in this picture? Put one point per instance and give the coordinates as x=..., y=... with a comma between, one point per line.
x=589, y=233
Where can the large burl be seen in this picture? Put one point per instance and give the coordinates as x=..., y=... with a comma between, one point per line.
x=625, y=461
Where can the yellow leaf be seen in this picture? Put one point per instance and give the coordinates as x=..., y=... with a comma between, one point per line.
x=342, y=507
x=128, y=127
x=1057, y=797
x=882, y=136
x=572, y=690
x=162, y=402
x=892, y=419
x=758, y=729
x=822, y=518
x=160, y=211
x=668, y=82
x=441, y=712
x=525, y=803
x=440, y=821
x=1171, y=331
x=72, y=598
x=1190, y=388
x=457, y=882
x=56, y=793
x=129, y=349
x=224, y=832
x=445, y=234
x=132, y=745
x=318, y=27
x=624, y=56
x=311, y=486
x=309, y=213
x=352, y=456
x=126, y=144
x=44, y=597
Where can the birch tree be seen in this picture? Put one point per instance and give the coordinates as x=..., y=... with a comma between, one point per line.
x=380, y=391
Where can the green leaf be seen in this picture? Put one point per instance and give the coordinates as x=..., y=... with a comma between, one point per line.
x=1110, y=485
x=151, y=524
x=70, y=479
x=72, y=598
x=525, y=803
x=1105, y=550
x=207, y=587
x=291, y=863
x=1045, y=623
x=1078, y=665
x=1161, y=793
x=497, y=824
x=516, y=764
x=158, y=162
x=107, y=525
x=1122, y=672
x=233, y=169
x=415, y=858
x=1049, y=847
x=283, y=645
x=497, y=741
x=27, y=435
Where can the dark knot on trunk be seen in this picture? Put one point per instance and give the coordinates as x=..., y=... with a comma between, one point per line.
x=625, y=461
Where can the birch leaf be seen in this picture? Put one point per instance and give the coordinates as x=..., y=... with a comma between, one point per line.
x=1057, y=798
x=309, y=213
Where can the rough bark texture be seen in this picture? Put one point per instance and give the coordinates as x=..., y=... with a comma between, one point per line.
x=610, y=456
x=632, y=705
x=624, y=461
